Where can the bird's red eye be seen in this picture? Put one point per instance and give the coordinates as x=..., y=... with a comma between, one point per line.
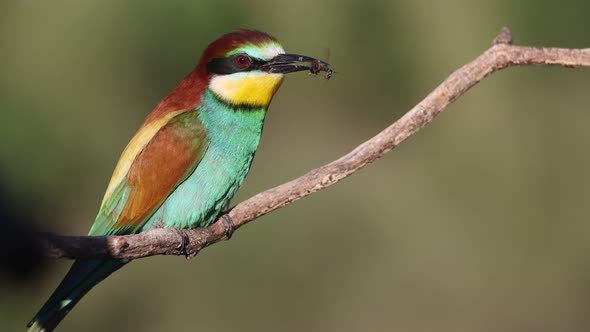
x=242, y=61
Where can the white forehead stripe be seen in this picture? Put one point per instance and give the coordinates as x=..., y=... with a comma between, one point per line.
x=265, y=51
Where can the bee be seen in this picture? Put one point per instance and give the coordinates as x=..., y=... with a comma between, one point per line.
x=318, y=66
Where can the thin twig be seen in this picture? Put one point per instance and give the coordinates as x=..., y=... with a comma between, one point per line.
x=165, y=241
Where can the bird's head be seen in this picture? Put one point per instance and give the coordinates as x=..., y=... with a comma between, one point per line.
x=246, y=67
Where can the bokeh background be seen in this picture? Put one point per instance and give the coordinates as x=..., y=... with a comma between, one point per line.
x=478, y=223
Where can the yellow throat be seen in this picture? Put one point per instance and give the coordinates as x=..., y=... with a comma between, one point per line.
x=255, y=88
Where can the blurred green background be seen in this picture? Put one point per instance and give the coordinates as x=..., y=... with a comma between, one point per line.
x=478, y=223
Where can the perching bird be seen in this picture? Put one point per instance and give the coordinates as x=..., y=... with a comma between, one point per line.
x=189, y=157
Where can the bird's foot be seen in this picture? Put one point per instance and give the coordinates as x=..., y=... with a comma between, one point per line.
x=183, y=242
x=229, y=226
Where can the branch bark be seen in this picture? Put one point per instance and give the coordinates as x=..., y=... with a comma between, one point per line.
x=500, y=55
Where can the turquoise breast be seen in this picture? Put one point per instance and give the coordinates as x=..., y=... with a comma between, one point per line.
x=233, y=136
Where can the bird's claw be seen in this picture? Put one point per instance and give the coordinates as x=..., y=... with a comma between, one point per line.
x=229, y=226
x=183, y=242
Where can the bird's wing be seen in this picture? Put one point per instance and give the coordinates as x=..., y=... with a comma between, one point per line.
x=160, y=156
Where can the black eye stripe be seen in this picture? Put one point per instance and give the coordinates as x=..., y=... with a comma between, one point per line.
x=228, y=65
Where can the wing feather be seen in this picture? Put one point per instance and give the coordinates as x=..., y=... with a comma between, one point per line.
x=165, y=161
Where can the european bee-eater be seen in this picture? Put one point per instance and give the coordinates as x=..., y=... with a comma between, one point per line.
x=189, y=156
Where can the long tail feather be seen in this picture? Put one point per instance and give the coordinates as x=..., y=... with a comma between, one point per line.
x=83, y=275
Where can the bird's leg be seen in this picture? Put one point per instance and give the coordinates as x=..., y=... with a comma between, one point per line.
x=183, y=242
x=229, y=226
x=225, y=208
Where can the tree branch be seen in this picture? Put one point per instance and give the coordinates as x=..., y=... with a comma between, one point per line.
x=166, y=241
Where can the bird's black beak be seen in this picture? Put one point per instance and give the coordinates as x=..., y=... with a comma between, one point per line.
x=289, y=63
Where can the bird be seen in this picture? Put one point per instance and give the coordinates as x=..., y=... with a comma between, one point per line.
x=188, y=158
